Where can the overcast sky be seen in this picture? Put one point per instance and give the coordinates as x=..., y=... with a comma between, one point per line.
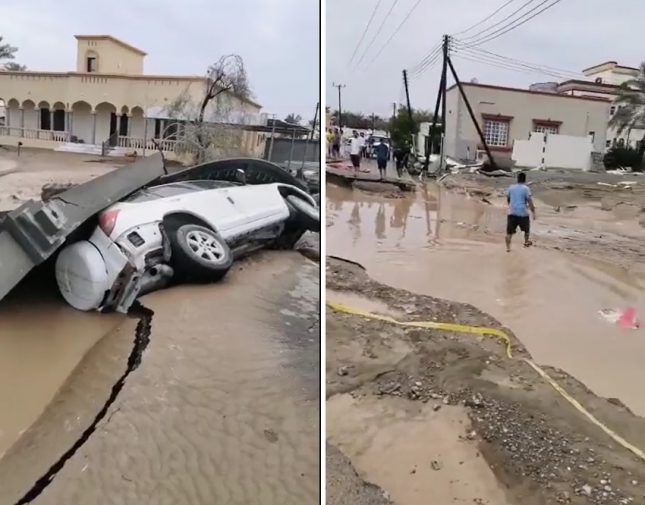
x=279, y=40
x=573, y=35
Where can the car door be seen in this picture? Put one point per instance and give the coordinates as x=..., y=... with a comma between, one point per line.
x=259, y=206
x=212, y=205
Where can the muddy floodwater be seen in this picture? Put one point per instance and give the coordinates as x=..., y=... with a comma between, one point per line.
x=451, y=246
x=41, y=342
x=224, y=407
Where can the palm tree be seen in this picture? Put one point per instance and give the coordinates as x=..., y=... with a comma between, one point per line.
x=630, y=112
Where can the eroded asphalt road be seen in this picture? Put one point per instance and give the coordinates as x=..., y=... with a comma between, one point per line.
x=223, y=407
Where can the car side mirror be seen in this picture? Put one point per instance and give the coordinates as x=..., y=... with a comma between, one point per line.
x=240, y=176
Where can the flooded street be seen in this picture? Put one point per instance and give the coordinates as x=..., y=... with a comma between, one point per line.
x=224, y=407
x=451, y=246
x=41, y=342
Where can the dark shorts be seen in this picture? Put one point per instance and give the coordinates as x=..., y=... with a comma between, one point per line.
x=335, y=148
x=512, y=222
x=356, y=160
x=381, y=163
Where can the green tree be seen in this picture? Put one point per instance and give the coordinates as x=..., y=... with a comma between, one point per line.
x=14, y=67
x=630, y=112
x=362, y=121
x=293, y=118
x=422, y=116
x=402, y=128
x=7, y=51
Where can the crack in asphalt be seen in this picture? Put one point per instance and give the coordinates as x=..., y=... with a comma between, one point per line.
x=141, y=341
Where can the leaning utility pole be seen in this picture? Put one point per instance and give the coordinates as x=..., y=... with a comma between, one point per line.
x=407, y=94
x=482, y=138
x=340, y=105
x=441, y=102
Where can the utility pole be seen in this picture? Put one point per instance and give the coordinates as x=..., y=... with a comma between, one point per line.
x=446, y=58
x=340, y=105
x=300, y=172
x=407, y=93
x=272, y=137
x=482, y=138
x=441, y=97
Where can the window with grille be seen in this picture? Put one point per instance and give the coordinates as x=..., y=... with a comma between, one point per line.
x=496, y=132
x=542, y=128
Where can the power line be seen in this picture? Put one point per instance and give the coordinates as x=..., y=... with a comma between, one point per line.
x=506, y=66
x=398, y=28
x=492, y=36
x=377, y=32
x=565, y=72
x=426, y=67
x=367, y=27
x=491, y=64
x=427, y=61
x=497, y=23
x=485, y=19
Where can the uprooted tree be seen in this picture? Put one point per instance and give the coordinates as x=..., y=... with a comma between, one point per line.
x=208, y=129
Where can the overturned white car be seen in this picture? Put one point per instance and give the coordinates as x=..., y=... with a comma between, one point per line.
x=183, y=231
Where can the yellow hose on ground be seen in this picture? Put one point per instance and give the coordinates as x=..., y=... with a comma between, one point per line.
x=455, y=328
x=504, y=338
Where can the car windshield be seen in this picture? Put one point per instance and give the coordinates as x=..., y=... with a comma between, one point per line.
x=175, y=189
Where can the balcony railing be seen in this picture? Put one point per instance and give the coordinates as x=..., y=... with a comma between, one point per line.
x=167, y=145
x=35, y=134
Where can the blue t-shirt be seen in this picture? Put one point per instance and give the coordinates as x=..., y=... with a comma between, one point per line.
x=518, y=195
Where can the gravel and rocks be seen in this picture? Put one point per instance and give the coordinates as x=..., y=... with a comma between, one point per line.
x=538, y=446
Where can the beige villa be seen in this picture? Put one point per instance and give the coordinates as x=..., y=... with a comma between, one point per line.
x=109, y=101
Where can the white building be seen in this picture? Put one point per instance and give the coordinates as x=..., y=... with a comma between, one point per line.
x=604, y=81
x=109, y=99
x=508, y=114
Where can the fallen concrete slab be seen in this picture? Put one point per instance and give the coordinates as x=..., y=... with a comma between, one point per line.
x=35, y=230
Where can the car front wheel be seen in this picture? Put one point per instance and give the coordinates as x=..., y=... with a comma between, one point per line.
x=199, y=254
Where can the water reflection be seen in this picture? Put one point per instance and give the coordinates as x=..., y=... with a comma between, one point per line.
x=527, y=290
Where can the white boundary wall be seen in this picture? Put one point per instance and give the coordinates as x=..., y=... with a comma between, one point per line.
x=553, y=151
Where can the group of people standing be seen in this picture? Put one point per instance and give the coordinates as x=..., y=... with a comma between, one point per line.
x=358, y=150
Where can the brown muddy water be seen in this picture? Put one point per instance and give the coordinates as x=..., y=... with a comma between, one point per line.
x=409, y=448
x=431, y=243
x=224, y=407
x=41, y=342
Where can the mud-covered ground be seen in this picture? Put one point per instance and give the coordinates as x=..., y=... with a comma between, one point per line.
x=423, y=413
x=212, y=397
x=223, y=406
x=585, y=201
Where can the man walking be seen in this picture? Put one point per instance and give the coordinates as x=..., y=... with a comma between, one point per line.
x=520, y=202
x=382, y=155
x=355, y=151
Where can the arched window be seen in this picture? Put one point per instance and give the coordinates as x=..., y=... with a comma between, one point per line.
x=91, y=62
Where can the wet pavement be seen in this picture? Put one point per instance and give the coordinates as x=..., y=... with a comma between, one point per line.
x=224, y=407
x=451, y=246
